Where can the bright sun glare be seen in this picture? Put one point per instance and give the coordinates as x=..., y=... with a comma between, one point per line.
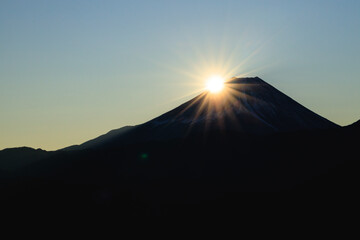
x=215, y=84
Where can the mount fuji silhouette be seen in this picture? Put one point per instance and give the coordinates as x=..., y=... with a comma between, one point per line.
x=248, y=105
x=201, y=159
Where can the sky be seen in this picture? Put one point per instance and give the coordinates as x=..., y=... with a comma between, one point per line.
x=72, y=70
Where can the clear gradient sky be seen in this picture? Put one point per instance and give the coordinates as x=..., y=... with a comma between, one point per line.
x=71, y=70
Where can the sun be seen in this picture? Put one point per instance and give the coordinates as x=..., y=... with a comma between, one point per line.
x=215, y=84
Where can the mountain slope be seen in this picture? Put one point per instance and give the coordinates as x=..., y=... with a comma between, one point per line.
x=355, y=127
x=99, y=140
x=356, y=124
x=14, y=158
x=183, y=178
x=247, y=105
x=247, y=102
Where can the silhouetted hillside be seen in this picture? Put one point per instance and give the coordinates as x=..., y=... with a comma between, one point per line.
x=356, y=124
x=353, y=128
x=101, y=139
x=14, y=158
x=185, y=164
x=194, y=176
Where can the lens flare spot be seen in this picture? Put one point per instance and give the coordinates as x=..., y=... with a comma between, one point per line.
x=215, y=84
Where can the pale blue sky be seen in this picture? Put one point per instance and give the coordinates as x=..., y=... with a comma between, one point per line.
x=72, y=70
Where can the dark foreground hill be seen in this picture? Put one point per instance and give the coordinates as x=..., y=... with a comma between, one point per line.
x=216, y=176
x=14, y=158
x=355, y=125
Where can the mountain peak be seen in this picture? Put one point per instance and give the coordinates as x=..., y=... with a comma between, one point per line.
x=247, y=104
x=243, y=80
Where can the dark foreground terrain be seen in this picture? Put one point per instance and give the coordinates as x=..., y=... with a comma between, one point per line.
x=217, y=174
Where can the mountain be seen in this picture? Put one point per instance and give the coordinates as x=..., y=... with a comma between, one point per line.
x=191, y=177
x=203, y=159
x=14, y=158
x=247, y=105
x=355, y=127
x=97, y=141
x=356, y=124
